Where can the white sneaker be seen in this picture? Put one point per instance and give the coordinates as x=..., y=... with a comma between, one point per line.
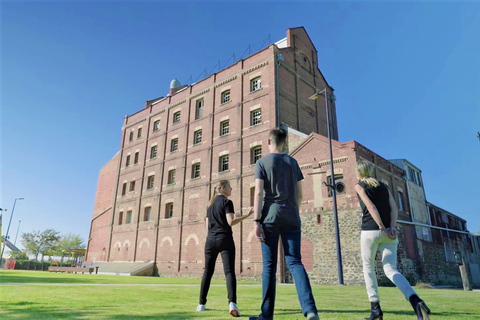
x=234, y=310
x=201, y=308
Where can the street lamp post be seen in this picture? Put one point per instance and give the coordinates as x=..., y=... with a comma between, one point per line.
x=8, y=228
x=332, y=186
x=15, y=243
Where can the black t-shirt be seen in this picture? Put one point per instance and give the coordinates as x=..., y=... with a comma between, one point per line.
x=380, y=198
x=217, y=216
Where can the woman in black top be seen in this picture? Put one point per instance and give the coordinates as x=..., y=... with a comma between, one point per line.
x=379, y=232
x=219, y=221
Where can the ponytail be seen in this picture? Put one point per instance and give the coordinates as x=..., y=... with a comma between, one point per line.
x=364, y=171
x=216, y=191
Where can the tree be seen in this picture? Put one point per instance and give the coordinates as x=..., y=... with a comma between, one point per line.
x=31, y=242
x=68, y=242
x=37, y=242
x=48, y=241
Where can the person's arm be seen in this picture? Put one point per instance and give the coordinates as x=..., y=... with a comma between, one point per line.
x=370, y=206
x=232, y=220
x=257, y=209
x=206, y=224
x=392, y=232
x=299, y=193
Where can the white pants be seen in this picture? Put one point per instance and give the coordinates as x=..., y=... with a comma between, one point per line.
x=370, y=241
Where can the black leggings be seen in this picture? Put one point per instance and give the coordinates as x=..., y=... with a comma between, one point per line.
x=226, y=247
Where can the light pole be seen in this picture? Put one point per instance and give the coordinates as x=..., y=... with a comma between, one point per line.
x=8, y=228
x=19, y=221
x=332, y=186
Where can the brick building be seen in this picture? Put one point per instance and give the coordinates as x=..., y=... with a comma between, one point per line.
x=152, y=196
x=177, y=147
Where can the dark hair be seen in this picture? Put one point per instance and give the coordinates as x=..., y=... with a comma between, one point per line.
x=278, y=136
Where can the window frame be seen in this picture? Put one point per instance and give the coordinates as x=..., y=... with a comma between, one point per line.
x=225, y=96
x=153, y=150
x=156, y=125
x=196, y=166
x=256, y=84
x=151, y=182
x=253, y=158
x=174, y=145
x=145, y=213
x=195, y=133
x=199, y=104
x=176, y=117
x=171, y=176
x=254, y=118
x=169, y=210
x=224, y=126
x=223, y=166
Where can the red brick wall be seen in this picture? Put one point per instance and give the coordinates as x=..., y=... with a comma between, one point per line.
x=102, y=212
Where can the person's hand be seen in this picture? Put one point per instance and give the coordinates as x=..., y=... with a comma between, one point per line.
x=259, y=234
x=392, y=233
x=250, y=212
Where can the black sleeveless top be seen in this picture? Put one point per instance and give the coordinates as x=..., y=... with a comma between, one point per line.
x=380, y=198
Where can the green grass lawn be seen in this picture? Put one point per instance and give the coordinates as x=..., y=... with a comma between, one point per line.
x=85, y=296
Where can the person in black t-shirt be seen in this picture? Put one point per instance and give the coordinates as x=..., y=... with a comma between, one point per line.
x=379, y=233
x=219, y=222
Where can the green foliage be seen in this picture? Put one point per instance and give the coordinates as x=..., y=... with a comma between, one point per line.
x=43, y=242
x=19, y=255
x=68, y=242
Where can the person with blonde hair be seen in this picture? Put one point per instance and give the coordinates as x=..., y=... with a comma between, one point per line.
x=219, y=221
x=379, y=232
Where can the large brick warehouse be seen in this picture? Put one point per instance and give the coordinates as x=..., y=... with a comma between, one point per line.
x=152, y=195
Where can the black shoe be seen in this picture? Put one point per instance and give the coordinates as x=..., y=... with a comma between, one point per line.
x=377, y=312
x=420, y=308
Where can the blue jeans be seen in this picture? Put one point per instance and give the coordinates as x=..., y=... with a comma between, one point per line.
x=291, y=239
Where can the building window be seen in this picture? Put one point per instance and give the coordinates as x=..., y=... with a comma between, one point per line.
x=196, y=171
x=339, y=185
x=127, y=162
x=131, y=136
x=199, y=109
x=255, y=117
x=156, y=126
x=153, y=152
x=135, y=159
x=169, y=210
x=197, y=137
x=124, y=189
x=174, y=145
x=223, y=163
x=150, y=182
x=132, y=186
x=129, y=217
x=256, y=154
x=255, y=84
x=139, y=133
x=400, y=201
x=224, y=127
x=171, y=176
x=120, y=218
x=226, y=96
x=176, y=117
x=146, y=213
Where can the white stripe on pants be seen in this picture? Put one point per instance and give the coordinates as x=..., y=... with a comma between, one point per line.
x=370, y=241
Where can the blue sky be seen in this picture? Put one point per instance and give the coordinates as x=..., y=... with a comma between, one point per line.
x=406, y=76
